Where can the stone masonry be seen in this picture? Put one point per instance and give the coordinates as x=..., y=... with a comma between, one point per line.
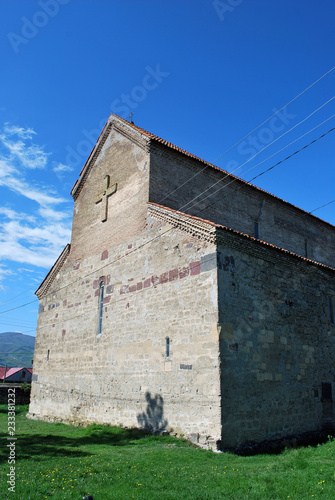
x=155, y=316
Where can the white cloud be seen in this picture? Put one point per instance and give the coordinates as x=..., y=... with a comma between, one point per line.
x=23, y=133
x=3, y=273
x=11, y=177
x=61, y=170
x=37, y=237
x=11, y=214
x=28, y=155
x=16, y=231
x=29, y=192
x=39, y=245
x=51, y=214
x=60, y=167
x=19, y=253
x=6, y=169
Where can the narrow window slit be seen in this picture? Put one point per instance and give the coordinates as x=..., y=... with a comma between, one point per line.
x=256, y=229
x=101, y=306
x=167, y=347
x=331, y=309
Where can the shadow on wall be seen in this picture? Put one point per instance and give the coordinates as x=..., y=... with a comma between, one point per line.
x=152, y=419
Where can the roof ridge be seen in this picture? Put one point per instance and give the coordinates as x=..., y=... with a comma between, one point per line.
x=172, y=146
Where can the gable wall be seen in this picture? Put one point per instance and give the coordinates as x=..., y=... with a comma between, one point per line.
x=18, y=376
x=128, y=165
x=236, y=206
x=277, y=345
x=163, y=288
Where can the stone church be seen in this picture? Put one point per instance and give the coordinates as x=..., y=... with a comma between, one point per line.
x=188, y=300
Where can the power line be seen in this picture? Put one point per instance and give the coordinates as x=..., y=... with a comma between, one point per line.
x=260, y=163
x=92, y=272
x=318, y=208
x=272, y=116
x=247, y=135
x=292, y=100
x=17, y=323
x=165, y=232
x=18, y=295
x=19, y=307
x=290, y=144
x=12, y=353
x=135, y=295
x=254, y=156
x=290, y=156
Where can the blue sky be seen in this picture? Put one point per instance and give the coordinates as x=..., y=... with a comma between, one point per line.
x=202, y=74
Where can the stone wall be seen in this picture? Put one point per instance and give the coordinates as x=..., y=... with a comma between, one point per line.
x=277, y=344
x=175, y=180
x=127, y=164
x=250, y=340
x=157, y=285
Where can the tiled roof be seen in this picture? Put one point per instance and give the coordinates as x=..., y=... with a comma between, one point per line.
x=154, y=137
x=243, y=235
x=12, y=371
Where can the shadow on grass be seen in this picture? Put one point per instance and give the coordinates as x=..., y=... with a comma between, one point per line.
x=18, y=409
x=278, y=446
x=35, y=446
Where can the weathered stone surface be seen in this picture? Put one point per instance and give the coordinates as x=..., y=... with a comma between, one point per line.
x=236, y=204
x=284, y=351
x=250, y=340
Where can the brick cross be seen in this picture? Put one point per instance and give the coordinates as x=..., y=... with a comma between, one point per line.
x=103, y=197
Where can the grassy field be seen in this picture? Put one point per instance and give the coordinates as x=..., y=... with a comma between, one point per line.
x=60, y=462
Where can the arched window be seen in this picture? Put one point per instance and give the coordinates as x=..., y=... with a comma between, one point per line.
x=100, y=307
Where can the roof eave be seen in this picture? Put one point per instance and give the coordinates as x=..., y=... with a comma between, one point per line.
x=46, y=283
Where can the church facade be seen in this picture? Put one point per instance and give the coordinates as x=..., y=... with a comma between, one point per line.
x=188, y=300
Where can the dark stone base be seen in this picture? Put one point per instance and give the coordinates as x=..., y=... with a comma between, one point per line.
x=276, y=446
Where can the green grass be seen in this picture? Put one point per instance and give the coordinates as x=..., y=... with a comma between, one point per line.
x=64, y=462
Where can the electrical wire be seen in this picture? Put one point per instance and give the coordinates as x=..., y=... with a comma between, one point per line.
x=181, y=208
x=18, y=295
x=281, y=109
x=165, y=232
x=18, y=307
x=260, y=163
x=249, y=133
x=290, y=156
x=318, y=208
x=259, y=152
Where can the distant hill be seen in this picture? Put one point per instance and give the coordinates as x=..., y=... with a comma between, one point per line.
x=16, y=349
